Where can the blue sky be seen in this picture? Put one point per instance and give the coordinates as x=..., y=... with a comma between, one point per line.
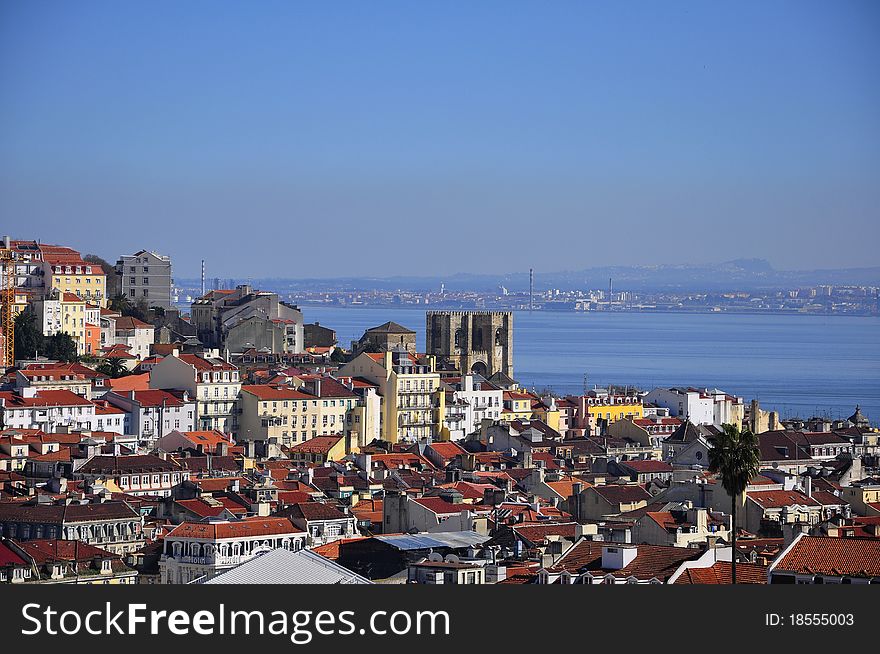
x=323, y=139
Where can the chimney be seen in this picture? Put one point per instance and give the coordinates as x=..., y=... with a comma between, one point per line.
x=808, y=485
x=700, y=519
x=617, y=557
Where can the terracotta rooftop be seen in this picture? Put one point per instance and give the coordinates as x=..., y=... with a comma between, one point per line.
x=852, y=557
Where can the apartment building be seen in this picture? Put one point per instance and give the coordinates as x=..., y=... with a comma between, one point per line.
x=213, y=382
x=409, y=385
x=146, y=276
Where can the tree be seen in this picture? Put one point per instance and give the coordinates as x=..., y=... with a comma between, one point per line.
x=28, y=335
x=338, y=355
x=112, y=368
x=735, y=457
x=121, y=302
x=61, y=347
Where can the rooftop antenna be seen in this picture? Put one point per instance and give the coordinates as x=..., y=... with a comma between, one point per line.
x=203, y=277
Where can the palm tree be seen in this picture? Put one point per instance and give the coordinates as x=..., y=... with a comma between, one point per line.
x=113, y=368
x=735, y=456
x=121, y=303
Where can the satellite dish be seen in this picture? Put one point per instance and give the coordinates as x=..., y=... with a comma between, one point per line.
x=452, y=558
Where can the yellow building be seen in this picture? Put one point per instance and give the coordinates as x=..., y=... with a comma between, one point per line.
x=599, y=407
x=64, y=313
x=547, y=412
x=64, y=270
x=292, y=415
x=517, y=406
x=412, y=404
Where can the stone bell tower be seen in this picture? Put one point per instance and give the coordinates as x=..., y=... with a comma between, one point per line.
x=478, y=342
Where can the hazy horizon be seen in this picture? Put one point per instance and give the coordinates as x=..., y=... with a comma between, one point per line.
x=292, y=140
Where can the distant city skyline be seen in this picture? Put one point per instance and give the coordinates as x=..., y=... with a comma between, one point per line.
x=294, y=140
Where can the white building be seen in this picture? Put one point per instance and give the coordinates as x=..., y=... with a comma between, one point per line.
x=211, y=381
x=46, y=410
x=152, y=414
x=700, y=406
x=135, y=334
x=203, y=549
x=483, y=401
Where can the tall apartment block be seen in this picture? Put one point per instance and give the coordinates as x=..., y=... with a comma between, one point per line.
x=146, y=276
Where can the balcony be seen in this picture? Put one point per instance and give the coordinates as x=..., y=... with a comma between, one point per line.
x=211, y=560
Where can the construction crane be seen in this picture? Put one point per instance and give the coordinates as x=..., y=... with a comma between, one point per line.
x=7, y=302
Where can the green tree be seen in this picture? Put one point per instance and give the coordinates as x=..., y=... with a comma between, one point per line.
x=28, y=335
x=112, y=368
x=735, y=457
x=113, y=282
x=61, y=346
x=120, y=302
x=338, y=355
x=141, y=311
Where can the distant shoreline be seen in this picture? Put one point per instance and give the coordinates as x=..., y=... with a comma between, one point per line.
x=398, y=307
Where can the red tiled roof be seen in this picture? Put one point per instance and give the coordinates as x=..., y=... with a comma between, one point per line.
x=44, y=398
x=211, y=438
x=646, y=466
x=237, y=529
x=217, y=484
x=537, y=534
x=777, y=499
x=156, y=398
x=45, y=550
x=317, y=445
x=8, y=557
x=828, y=499
x=447, y=449
x=441, y=507
x=651, y=562
x=266, y=392
x=130, y=383
x=128, y=322
x=202, y=364
x=622, y=493
x=852, y=557
x=314, y=511
x=721, y=573
x=208, y=508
